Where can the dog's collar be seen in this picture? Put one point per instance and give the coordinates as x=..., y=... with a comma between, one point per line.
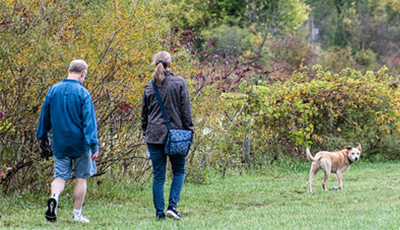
x=350, y=162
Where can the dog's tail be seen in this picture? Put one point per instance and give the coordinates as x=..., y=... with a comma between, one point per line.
x=309, y=156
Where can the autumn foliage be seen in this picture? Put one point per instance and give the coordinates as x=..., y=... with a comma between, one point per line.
x=254, y=99
x=323, y=110
x=39, y=39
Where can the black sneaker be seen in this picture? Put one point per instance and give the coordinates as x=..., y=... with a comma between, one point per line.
x=52, y=210
x=161, y=217
x=172, y=213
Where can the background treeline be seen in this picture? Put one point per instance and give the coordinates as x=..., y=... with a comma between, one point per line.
x=267, y=78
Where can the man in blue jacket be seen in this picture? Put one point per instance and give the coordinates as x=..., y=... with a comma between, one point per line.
x=68, y=110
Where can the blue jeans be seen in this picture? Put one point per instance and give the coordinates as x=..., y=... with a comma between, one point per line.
x=159, y=161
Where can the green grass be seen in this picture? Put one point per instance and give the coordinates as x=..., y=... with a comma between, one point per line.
x=270, y=198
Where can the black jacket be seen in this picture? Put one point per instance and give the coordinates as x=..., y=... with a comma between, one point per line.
x=175, y=96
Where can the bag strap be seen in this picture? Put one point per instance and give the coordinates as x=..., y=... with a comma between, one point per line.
x=160, y=103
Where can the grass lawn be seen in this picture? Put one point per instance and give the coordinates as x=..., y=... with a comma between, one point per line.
x=269, y=198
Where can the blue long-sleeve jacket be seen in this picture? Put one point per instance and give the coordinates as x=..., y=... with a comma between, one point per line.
x=68, y=110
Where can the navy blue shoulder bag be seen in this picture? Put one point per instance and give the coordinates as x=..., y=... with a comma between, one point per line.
x=178, y=140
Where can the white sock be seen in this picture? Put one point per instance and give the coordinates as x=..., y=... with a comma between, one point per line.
x=55, y=196
x=77, y=212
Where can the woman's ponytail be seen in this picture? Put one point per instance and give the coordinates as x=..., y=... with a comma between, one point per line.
x=159, y=74
x=161, y=60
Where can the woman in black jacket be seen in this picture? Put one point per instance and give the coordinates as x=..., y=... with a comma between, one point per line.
x=175, y=97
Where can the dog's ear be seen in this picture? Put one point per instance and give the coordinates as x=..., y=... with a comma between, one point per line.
x=348, y=148
x=359, y=147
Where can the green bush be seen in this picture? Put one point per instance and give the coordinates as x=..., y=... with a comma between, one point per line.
x=324, y=111
x=366, y=58
x=228, y=41
x=290, y=52
x=338, y=59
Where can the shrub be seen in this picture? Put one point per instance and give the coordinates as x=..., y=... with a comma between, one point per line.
x=338, y=59
x=322, y=110
x=366, y=58
x=290, y=52
x=228, y=41
x=118, y=39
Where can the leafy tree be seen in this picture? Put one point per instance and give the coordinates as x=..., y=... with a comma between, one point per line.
x=39, y=39
x=275, y=16
x=254, y=20
x=363, y=24
x=199, y=14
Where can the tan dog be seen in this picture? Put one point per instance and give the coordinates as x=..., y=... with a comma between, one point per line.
x=335, y=162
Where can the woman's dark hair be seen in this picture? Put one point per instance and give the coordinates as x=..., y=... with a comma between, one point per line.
x=162, y=61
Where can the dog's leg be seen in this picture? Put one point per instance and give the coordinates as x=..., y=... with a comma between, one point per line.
x=313, y=173
x=326, y=166
x=339, y=179
x=327, y=174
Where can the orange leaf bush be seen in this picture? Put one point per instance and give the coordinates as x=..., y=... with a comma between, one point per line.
x=38, y=41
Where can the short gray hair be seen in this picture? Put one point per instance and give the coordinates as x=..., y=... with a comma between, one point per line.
x=77, y=66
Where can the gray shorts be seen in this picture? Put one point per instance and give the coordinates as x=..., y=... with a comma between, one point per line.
x=84, y=166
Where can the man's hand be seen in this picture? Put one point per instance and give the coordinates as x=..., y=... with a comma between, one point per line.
x=95, y=155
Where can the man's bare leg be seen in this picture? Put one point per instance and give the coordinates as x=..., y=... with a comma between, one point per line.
x=57, y=187
x=79, y=197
